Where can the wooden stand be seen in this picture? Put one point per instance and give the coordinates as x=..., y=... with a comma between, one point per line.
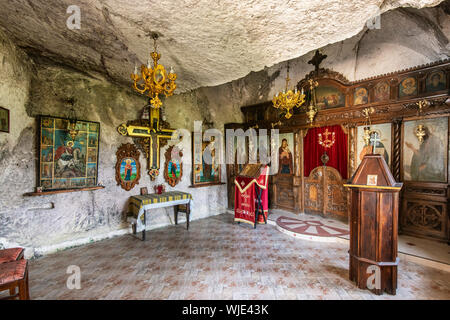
x=374, y=203
x=50, y=192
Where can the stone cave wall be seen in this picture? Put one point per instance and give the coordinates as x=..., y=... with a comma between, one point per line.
x=407, y=37
x=48, y=223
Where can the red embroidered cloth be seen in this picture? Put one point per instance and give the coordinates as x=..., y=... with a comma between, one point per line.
x=245, y=197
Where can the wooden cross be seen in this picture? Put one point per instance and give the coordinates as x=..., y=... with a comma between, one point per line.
x=374, y=139
x=317, y=60
x=152, y=136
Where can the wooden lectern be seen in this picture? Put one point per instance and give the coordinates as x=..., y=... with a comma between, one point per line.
x=374, y=205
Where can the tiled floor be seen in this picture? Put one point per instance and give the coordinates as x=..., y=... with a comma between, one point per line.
x=412, y=246
x=217, y=259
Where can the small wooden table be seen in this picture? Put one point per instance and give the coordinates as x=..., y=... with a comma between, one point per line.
x=139, y=205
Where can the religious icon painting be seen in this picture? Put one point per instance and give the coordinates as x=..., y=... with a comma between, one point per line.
x=436, y=81
x=381, y=91
x=65, y=161
x=205, y=169
x=425, y=161
x=91, y=170
x=328, y=96
x=4, y=120
x=240, y=154
x=46, y=154
x=285, y=153
x=361, y=96
x=372, y=179
x=407, y=87
x=92, y=155
x=128, y=168
x=383, y=147
x=173, y=170
x=144, y=191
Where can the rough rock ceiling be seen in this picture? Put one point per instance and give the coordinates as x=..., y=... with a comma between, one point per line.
x=207, y=42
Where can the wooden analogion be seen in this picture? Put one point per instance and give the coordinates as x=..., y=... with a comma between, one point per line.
x=374, y=206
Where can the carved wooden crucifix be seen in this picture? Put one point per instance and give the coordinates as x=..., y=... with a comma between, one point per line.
x=151, y=137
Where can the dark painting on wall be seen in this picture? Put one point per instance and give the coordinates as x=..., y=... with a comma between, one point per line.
x=436, y=81
x=66, y=162
x=426, y=160
x=285, y=152
x=408, y=87
x=329, y=97
x=383, y=146
x=205, y=170
x=381, y=91
x=361, y=96
x=4, y=120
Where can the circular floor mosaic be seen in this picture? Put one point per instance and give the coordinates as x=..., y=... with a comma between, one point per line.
x=310, y=228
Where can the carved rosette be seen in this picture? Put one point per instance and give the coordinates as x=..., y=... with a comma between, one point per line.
x=128, y=155
x=424, y=215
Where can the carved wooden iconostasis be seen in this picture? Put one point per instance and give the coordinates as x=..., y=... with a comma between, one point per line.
x=401, y=106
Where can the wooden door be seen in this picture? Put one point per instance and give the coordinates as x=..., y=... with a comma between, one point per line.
x=325, y=194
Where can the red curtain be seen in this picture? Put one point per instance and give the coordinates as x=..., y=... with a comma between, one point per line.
x=338, y=153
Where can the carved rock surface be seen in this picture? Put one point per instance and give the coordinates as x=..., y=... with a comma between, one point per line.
x=207, y=42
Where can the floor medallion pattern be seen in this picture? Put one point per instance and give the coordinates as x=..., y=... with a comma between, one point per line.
x=311, y=228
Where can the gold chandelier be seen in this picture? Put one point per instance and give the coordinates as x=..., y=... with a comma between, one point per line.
x=288, y=99
x=156, y=81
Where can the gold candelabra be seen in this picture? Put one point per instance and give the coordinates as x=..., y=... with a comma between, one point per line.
x=154, y=80
x=288, y=99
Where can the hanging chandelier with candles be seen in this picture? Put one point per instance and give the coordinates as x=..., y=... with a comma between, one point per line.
x=154, y=80
x=288, y=99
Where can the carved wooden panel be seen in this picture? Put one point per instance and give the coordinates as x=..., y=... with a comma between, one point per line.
x=425, y=211
x=352, y=143
x=336, y=198
x=285, y=198
x=314, y=192
x=325, y=193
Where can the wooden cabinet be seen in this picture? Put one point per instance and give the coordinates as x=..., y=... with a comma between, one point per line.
x=374, y=205
x=424, y=210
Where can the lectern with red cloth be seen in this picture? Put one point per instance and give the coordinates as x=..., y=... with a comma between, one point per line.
x=251, y=200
